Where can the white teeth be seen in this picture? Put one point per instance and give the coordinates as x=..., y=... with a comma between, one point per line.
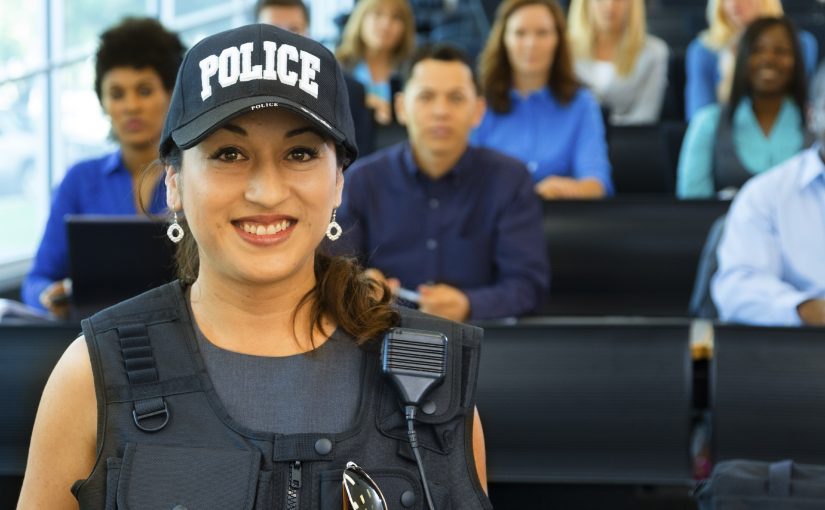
x=263, y=230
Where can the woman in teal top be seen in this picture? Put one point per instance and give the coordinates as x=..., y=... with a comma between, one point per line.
x=761, y=126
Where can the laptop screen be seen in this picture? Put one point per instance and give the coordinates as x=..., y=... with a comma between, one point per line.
x=112, y=258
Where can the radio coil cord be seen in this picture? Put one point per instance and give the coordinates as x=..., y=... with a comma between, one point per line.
x=409, y=411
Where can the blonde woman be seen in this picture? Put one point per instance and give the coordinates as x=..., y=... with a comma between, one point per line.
x=727, y=19
x=624, y=67
x=378, y=36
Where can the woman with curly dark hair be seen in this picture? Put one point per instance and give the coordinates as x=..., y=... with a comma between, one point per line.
x=135, y=68
x=537, y=111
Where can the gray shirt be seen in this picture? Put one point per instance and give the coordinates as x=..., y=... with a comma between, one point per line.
x=638, y=97
x=304, y=393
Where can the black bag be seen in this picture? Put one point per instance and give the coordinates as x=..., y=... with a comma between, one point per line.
x=755, y=485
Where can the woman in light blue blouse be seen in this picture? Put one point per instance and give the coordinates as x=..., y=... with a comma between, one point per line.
x=762, y=125
x=537, y=111
x=378, y=36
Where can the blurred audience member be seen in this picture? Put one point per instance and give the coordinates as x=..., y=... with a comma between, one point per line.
x=135, y=69
x=762, y=125
x=537, y=111
x=378, y=36
x=623, y=65
x=457, y=225
x=727, y=19
x=463, y=23
x=293, y=15
x=770, y=256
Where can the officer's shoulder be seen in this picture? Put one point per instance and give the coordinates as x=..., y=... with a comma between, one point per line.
x=415, y=319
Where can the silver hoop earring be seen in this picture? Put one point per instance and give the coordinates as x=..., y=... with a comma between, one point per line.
x=175, y=231
x=333, y=229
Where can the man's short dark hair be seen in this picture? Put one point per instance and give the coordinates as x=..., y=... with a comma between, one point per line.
x=139, y=43
x=440, y=51
x=260, y=4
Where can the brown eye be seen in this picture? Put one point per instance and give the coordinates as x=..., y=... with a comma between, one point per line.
x=303, y=154
x=228, y=154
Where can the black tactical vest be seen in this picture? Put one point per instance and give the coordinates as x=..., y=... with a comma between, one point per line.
x=166, y=442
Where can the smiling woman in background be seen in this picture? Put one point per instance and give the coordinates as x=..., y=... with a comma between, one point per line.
x=624, y=66
x=727, y=19
x=135, y=68
x=762, y=125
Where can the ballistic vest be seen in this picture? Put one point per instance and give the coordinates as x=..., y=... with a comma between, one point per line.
x=166, y=442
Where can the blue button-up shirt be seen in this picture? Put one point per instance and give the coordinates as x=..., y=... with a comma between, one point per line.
x=95, y=186
x=478, y=228
x=772, y=253
x=550, y=137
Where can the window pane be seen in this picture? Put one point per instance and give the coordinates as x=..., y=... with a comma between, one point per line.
x=184, y=7
x=24, y=196
x=22, y=45
x=81, y=127
x=84, y=20
x=193, y=35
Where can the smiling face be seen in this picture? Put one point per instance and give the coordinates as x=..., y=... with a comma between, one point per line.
x=771, y=63
x=258, y=195
x=531, y=39
x=136, y=102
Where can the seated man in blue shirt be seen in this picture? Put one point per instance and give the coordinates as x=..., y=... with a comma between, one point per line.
x=459, y=225
x=771, y=269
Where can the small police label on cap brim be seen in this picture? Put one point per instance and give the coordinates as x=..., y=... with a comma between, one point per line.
x=260, y=106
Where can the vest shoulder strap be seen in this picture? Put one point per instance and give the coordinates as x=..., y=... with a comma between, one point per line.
x=139, y=354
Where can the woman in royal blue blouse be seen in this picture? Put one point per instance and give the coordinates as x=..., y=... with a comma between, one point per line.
x=536, y=110
x=135, y=69
x=762, y=124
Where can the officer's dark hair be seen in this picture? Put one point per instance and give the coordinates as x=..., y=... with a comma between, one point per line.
x=741, y=86
x=139, y=43
x=357, y=304
x=440, y=51
x=260, y=4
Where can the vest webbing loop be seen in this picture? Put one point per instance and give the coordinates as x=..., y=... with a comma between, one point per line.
x=149, y=414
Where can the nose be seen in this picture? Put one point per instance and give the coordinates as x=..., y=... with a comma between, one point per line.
x=131, y=101
x=266, y=186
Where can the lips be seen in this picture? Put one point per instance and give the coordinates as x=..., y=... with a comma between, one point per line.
x=133, y=125
x=265, y=230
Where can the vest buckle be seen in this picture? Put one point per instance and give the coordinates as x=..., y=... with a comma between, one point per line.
x=151, y=414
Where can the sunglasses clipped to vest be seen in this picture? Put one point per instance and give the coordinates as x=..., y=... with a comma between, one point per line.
x=359, y=491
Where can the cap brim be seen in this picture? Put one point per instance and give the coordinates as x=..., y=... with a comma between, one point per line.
x=194, y=132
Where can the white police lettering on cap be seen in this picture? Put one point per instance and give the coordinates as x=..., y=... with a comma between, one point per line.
x=235, y=64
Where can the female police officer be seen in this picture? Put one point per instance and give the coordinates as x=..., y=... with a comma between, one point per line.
x=255, y=379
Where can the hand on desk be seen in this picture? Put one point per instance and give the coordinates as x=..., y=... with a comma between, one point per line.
x=556, y=187
x=812, y=312
x=444, y=301
x=55, y=298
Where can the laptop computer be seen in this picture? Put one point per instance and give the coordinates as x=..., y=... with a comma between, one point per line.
x=113, y=258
